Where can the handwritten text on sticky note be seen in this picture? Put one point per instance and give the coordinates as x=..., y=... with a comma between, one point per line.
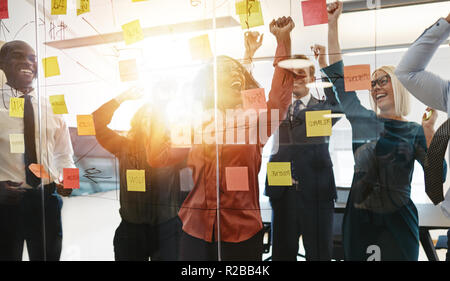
x=248, y=7
x=252, y=19
x=357, y=77
x=17, y=143
x=314, y=12
x=317, y=125
x=85, y=125
x=83, y=6
x=16, y=107
x=254, y=99
x=136, y=180
x=279, y=173
x=132, y=32
x=58, y=104
x=51, y=67
x=236, y=178
x=59, y=7
x=71, y=178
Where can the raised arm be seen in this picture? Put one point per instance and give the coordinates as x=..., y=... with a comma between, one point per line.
x=252, y=41
x=428, y=87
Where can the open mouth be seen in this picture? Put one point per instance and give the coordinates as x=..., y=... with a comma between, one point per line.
x=380, y=96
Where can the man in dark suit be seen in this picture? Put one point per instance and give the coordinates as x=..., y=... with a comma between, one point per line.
x=307, y=207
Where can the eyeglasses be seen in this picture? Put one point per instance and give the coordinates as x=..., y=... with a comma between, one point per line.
x=382, y=81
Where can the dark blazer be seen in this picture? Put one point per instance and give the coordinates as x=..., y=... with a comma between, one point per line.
x=311, y=164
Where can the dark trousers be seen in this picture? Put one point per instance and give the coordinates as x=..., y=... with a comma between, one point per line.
x=292, y=218
x=194, y=249
x=139, y=242
x=25, y=222
x=447, y=258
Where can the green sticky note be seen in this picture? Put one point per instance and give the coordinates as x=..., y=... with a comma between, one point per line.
x=132, y=32
x=317, y=125
x=51, y=67
x=16, y=107
x=248, y=6
x=279, y=173
x=17, y=143
x=58, y=104
x=252, y=20
x=136, y=180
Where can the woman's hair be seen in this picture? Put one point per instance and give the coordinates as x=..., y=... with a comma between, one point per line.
x=203, y=85
x=402, y=100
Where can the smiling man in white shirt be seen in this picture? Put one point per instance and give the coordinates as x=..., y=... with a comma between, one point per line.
x=25, y=198
x=426, y=86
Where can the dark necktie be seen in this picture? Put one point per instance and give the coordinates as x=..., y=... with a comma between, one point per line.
x=297, y=105
x=30, y=141
x=434, y=167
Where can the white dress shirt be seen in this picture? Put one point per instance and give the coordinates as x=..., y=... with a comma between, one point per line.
x=427, y=87
x=305, y=100
x=53, y=145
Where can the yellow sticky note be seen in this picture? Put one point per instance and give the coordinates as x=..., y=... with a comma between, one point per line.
x=136, y=180
x=248, y=6
x=83, y=6
x=251, y=19
x=200, y=47
x=128, y=70
x=16, y=107
x=132, y=32
x=138, y=0
x=51, y=67
x=279, y=173
x=316, y=124
x=59, y=7
x=85, y=125
x=58, y=104
x=17, y=143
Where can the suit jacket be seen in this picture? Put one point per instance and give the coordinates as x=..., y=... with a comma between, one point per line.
x=311, y=165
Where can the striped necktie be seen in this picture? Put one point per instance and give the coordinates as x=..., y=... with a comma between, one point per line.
x=434, y=167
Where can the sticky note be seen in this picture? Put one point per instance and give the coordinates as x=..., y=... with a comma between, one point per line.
x=58, y=104
x=251, y=20
x=200, y=47
x=39, y=171
x=317, y=125
x=85, y=125
x=136, y=180
x=279, y=173
x=247, y=7
x=16, y=106
x=138, y=0
x=236, y=178
x=357, y=77
x=254, y=99
x=59, y=7
x=128, y=70
x=132, y=32
x=314, y=12
x=17, y=143
x=186, y=180
x=4, y=9
x=83, y=6
x=51, y=67
x=71, y=178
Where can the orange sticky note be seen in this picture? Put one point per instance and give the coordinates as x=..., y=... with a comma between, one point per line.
x=254, y=99
x=59, y=7
x=58, y=104
x=279, y=173
x=132, y=32
x=71, y=178
x=136, y=180
x=200, y=47
x=357, y=77
x=39, y=171
x=317, y=125
x=314, y=12
x=83, y=6
x=128, y=70
x=16, y=106
x=236, y=178
x=247, y=6
x=85, y=125
x=51, y=67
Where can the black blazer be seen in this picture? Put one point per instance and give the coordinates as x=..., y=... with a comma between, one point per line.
x=311, y=164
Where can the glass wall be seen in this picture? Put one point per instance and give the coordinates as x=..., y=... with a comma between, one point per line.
x=223, y=130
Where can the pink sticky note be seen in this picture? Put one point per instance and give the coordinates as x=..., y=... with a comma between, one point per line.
x=254, y=99
x=314, y=12
x=71, y=178
x=357, y=77
x=237, y=178
x=4, y=9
